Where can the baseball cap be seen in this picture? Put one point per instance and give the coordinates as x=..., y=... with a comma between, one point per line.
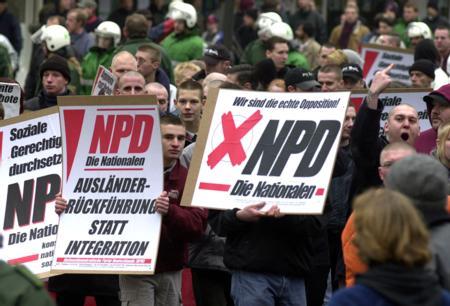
x=352, y=71
x=301, y=78
x=441, y=96
x=215, y=54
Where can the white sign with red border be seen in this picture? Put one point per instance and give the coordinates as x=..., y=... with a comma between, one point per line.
x=112, y=174
x=377, y=57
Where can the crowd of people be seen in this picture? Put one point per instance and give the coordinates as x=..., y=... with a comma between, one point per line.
x=385, y=230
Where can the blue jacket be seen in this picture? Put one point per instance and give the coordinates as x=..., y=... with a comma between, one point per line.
x=363, y=295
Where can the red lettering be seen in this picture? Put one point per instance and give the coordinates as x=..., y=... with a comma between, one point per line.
x=102, y=134
x=142, y=134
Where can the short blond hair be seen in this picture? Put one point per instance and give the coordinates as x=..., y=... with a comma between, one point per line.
x=180, y=70
x=389, y=229
x=442, y=136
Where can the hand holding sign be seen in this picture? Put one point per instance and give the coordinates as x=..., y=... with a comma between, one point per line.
x=162, y=203
x=60, y=204
x=251, y=213
x=380, y=82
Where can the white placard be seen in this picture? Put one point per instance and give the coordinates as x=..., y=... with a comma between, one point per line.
x=260, y=146
x=112, y=173
x=10, y=99
x=104, y=83
x=377, y=57
x=30, y=171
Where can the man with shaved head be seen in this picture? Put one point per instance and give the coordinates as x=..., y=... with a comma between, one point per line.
x=130, y=83
x=161, y=95
x=402, y=126
x=123, y=62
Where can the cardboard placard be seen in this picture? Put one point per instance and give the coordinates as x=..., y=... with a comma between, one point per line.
x=104, y=83
x=30, y=168
x=112, y=174
x=377, y=57
x=261, y=146
x=10, y=99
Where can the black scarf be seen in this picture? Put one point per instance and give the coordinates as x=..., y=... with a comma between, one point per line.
x=347, y=30
x=403, y=286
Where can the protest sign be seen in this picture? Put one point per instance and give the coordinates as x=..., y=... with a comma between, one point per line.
x=112, y=174
x=30, y=171
x=274, y=147
x=377, y=57
x=396, y=96
x=104, y=82
x=10, y=99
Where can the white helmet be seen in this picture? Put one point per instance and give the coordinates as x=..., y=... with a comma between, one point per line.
x=417, y=29
x=109, y=29
x=266, y=20
x=184, y=11
x=282, y=30
x=55, y=37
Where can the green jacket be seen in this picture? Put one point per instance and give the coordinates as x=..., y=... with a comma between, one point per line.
x=254, y=52
x=131, y=45
x=183, y=48
x=401, y=29
x=297, y=59
x=91, y=61
x=5, y=63
x=19, y=287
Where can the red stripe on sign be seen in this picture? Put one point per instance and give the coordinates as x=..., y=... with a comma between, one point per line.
x=320, y=191
x=356, y=102
x=23, y=259
x=73, y=131
x=213, y=186
x=1, y=145
x=123, y=109
x=113, y=169
x=370, y=58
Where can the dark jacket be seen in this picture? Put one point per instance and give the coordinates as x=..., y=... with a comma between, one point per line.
x=42, y=101
x=9, y=26
x=180, y=226
x=313, y=17
x=366, y=146
x=280, y=246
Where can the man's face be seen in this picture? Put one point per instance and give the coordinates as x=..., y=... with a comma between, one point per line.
x=409, y=14
x=179, y=26
x=420, y=79
x=190, y=105
x=384, y=28
x=350, y=83
x=131, y=85
x=442, y=40
x=304, y=4
x=161, y=96
x=278, y=55
x=53, y=82
x=351, y=15
x=123, y=65
x=389, y=157
x=415, y=40
x=147, y=65
x=323, y=55
x=350, y=116
x=71, y=22
x=329, y=81
x=386, y=40
x=173, y=138
x=440, y=114
x=402, y=125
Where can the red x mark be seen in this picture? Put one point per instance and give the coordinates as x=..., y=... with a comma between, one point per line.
x=231, y=144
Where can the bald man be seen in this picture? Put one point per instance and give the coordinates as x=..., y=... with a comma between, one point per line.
x=123, y=62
